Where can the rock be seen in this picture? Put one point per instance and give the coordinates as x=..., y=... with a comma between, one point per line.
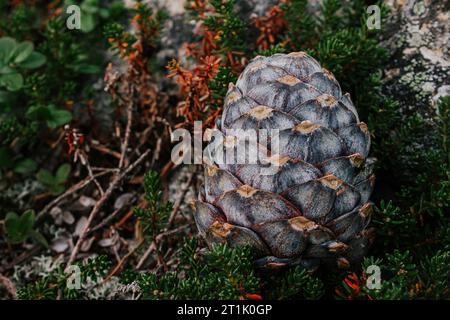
x=416, y=35
x=123, y=200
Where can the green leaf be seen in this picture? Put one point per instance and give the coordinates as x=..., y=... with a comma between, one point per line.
x=19, y=228
x=58, y=117
x=25, y=166
x=27, y=220
x=39, y=113
x=12, y=227
x=35, y=60
x=62, y=173
x=45, y=177
x=39, y=238
x=87, y=22
x=7, y=70
x=12, y=82
x=22, y=51
x=57, y=189
x=86, y=68
x=7, y=46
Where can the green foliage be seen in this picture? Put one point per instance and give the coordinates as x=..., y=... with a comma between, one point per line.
x=301, y=25
x=120, y=40
x=42, y=289
x=25, y=166
x=435, y=276
x=412, y=196
x=14, y=58
x=45, y=68
x=338, y=37
x=221, y=273
x=394, y=225
x=92, y=12
x=296, y=283
x=52, y=116
x=20, y=22
x=150, y=23
x=11, y=128
x=278, y=48
x=154, y=217
x=54, y=182
x=413, y=154
x=21, y=228
x=230, y=28
x=55, y=284
x=94, y=268
x=219, y=85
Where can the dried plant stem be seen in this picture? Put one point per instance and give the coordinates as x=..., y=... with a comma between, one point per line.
x=179, y=201
x=105, y=221
x=80, y=185
x=117, y=178
x=126, y=139
x=21, y=258
x=85, y=161
x=158, y=239
x=9, y=285
x=117, y=267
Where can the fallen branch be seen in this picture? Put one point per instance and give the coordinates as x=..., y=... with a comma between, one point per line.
x=9, y=285
x=126, y=139
x=105, y=150
x=85, y=161
x=114, y=271
x=80, y=185
x=153, y=244
x=117, y=178
x=179, y=201
x=21, y=258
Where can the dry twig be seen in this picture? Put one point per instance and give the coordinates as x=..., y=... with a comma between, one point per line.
x=80, y=185
x=9, y=285
x=117, y=178
x=179, y=201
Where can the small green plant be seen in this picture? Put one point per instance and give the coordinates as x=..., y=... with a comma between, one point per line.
x=14, y=58
x=21, y=228
x=153, y=217
x=54, y=182
x=296, y=283
x=53, y=116
x=92, y=271
x=91, y=11
x=221, y=273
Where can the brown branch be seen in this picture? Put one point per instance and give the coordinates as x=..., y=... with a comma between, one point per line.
x=153, y=245
x=126, y=139
x=179, y=201
x=106, y=150
x=9, y=285
x=80, y=185
x=112, y=273
x=117, y=178
x=105, y=221
x=147, y=252
x=85, y=162
x=21, y=258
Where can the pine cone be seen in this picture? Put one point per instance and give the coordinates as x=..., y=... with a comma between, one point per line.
x=314, y=207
